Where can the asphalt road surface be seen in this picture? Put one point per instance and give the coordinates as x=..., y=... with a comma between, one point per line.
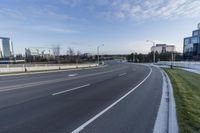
x=118, y=98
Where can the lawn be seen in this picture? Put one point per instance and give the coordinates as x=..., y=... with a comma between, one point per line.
x=186, y=87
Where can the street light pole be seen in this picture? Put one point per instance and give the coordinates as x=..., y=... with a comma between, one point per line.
x=98, y=52
x=154, y=57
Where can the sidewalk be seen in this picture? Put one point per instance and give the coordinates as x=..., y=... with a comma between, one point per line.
x=186, y=69
x=191, y=70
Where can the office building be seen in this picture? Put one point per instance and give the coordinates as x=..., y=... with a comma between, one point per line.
x=42, y=52
x=6, y=48
x=36, y=54
x=163, y=48
x=191, y=45
x=31, y=52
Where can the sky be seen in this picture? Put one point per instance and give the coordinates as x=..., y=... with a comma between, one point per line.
x=123, y=26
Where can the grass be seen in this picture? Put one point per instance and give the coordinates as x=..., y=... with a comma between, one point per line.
x=186, y=87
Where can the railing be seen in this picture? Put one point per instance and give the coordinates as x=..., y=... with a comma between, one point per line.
x=182, y=64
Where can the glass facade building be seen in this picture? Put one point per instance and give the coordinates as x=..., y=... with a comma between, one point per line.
x=5, y=48
x=191, y=46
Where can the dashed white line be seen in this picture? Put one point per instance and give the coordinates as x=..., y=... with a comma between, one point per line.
x=72, y=75
x=80, y=128
x=20, y=86
x=61, y=92
x=120, y=75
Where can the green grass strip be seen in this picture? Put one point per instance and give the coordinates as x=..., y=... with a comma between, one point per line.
x=186, y=87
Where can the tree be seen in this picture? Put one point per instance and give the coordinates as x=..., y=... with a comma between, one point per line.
x=78, y=56
x=56, y=52
x=70, y=53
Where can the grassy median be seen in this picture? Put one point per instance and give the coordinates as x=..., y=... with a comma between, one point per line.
x=187, y=95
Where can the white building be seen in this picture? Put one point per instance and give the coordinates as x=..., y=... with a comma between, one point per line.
x=6, y=48
x=163, y=48
x=39, y=52
x=32, y=52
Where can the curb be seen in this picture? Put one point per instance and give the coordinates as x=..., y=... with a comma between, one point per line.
x=49, y=71
x=166, y=121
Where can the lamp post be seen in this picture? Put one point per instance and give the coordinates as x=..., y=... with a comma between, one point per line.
x=98, y=47
x=154, y=58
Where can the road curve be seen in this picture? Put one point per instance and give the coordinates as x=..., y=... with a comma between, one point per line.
x=120, y=98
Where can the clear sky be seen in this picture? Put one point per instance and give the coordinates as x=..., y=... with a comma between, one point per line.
x=122, y=25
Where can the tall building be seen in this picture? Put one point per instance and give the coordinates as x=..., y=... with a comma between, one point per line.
x=163, y=48
x=191, y=45
x=6, y=48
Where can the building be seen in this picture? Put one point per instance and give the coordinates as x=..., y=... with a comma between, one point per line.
x=163, y=48
x=191, y=45
x=36, y=54
x=6, y=48
x=31, y=52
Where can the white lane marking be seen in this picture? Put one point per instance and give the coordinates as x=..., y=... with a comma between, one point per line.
x=61, y=92
x=80, y=128
x=72, y=75
x=120, y=75
x=20, y=86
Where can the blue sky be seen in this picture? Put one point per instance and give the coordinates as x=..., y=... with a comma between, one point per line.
x=121, y=25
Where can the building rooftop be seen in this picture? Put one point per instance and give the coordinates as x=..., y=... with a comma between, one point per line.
x=157, y=45
x=4, y=38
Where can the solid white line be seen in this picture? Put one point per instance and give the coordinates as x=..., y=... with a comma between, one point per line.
x=61, y=92
x=122, y=74
x=80, y=128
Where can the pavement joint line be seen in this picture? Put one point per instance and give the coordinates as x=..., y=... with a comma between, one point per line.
x=65, y=91
x=20, y=86
x=80, y=128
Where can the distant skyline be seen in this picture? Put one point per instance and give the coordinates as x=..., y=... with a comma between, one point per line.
x=123, y=26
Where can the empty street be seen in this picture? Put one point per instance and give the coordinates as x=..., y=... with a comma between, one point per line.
x=118, y=97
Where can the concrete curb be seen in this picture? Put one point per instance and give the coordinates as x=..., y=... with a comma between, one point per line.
x=49, y=71
x=166, y=121
x=173, y=123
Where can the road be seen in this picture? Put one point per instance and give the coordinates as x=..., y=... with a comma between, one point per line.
x=118, y=98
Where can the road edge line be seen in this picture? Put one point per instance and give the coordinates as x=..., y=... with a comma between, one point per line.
x=80, y=128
